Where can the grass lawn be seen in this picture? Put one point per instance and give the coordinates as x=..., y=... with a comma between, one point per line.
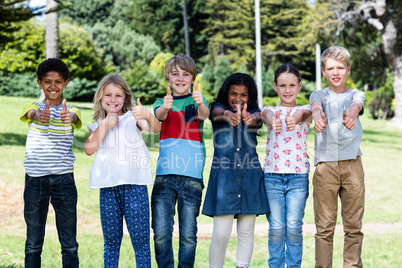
x=382, y=155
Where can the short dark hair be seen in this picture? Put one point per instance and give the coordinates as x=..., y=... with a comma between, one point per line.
x=238, y=79
x=52, y=64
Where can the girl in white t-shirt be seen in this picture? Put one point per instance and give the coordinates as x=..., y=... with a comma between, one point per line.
x=286, y=169
x=122, y=168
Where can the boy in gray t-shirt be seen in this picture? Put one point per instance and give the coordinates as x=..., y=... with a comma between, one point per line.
x=339, y=169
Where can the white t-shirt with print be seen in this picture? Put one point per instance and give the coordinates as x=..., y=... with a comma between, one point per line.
x=286, y=152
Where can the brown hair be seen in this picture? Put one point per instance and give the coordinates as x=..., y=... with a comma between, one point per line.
x=184, y=62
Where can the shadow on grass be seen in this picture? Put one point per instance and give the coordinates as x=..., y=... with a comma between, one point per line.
x=383, y=139
x=12, y=139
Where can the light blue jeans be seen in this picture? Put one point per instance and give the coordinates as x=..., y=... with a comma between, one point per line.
x=287, y=195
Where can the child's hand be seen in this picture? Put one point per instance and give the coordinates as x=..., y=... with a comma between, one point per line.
x=139, y=111
x=290, y=121
x=44, y=116
x=348, y=122
x=247, y=118
x=235, y=118
x=320, y=124
x=168, y=100
x=112, y=118
x=65, y=114
x=197, y=95
x=277, y=124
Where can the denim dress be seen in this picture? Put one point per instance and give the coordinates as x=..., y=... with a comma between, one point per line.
x=236, y=181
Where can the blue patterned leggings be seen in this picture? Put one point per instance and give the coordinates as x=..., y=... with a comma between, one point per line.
x=130, y=201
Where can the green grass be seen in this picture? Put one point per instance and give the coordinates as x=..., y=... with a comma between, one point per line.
x=382, y=155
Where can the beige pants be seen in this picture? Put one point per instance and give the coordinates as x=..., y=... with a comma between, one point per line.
x=346, y=179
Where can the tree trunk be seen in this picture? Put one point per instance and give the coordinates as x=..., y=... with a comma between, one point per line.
x=52, y=34
x=390, y=38
x=52, y=30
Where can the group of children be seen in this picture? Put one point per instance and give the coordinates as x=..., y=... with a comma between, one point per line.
x=238, y=187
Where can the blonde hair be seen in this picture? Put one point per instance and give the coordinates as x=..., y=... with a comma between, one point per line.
x=184, y=62
x=337, y=53
x=118, y=81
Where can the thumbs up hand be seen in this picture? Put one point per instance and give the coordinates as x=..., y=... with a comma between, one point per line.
x=277, y=124
x=44, y=116
x=290, y=121
x=320, y=124
x=168, y=100
x=112, y=118
x=139, y=111
x=197, y=95
x=65, y=115
x=348, y=122
x=246, y=116
x=235, y=118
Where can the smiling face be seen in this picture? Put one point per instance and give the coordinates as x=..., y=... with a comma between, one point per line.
x=336, y=73
x=53, y=85
x=288, y=87
x=238, y=95
x=113, y=98
x=180, y=81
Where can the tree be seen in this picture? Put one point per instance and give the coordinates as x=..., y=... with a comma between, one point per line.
x=163, y=20
x=386, y=18
x=231, y=30
x=12, y=12
x=52, y=30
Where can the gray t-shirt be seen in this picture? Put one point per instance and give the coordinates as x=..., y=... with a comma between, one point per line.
x=336, y=142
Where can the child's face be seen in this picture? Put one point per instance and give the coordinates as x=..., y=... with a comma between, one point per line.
x=180, y=81
x=238, y=95
x=288, y=86
x=336, y=73
x=53, y=84
x=113, y=98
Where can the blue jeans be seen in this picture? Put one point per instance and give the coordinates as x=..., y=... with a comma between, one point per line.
x=62, y=193
x=187, y=192
x=130, y=201
x=287, y=195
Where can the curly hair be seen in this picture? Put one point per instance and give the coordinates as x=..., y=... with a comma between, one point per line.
x=52, y=65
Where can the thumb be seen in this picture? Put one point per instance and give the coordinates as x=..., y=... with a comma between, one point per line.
x=196, y=86
x=47, y=105
x=238, y=108
x=64, y=105
x=277, y=115
x=323, y=117
x=169, y=92
x=245, y=107
x=113, y=110
x=138, y=102
x=344, y=114
x=288, y=113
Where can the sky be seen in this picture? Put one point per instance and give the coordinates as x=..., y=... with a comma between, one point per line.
x=35, y=3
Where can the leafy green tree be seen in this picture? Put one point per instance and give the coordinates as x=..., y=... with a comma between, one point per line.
x=76, y=50
x=231, y=30
x=12, y=12
x=163, y=20
x=221, y=71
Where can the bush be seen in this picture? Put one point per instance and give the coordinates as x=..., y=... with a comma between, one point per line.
x=381, y=104
x=19, y=85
